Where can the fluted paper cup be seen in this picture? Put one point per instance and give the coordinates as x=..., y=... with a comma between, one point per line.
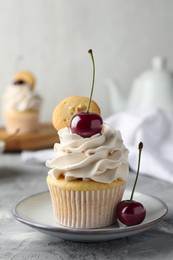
x=25, y=122
x=85, y=209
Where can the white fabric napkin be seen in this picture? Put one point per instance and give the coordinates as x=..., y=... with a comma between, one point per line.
x=40, y=156
x=155, y=130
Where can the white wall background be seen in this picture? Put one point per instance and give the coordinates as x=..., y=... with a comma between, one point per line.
x=51, y=38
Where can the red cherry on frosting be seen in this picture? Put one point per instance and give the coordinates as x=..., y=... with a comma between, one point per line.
x=86, y=124
x=19, y=82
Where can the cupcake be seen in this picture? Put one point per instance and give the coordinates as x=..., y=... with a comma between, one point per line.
x=2, y=146
x=21, y=104
x=88, y=174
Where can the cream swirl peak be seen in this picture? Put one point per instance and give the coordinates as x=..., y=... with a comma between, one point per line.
x=20, y=98
x=101, y=158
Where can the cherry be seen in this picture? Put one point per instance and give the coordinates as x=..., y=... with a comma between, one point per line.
x=131, y=212
x=19, y=82
x=87, y=123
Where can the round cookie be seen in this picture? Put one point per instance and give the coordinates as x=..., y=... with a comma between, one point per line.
x=68, y=107
x=25, y=76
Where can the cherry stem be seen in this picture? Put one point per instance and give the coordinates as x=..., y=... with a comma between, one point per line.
x=93, y=79
x=140, y=146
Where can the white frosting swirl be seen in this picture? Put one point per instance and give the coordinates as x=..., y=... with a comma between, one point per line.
x=101, y=158
x=21, y=98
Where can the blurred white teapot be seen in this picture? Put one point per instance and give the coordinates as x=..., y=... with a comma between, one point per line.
x=152, y=89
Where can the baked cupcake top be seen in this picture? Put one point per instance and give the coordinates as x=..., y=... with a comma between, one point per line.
x=101, y=157
x=21, y=95
x=88, y=148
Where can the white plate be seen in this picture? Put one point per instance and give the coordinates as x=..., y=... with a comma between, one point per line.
x=36, y=211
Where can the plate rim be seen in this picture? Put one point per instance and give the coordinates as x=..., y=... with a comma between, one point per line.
x=110, y=230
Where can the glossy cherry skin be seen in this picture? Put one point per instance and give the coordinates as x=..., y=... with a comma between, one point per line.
x=130, y=212
x=86, y=124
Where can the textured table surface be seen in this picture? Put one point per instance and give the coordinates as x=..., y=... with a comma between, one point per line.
x=18, y=241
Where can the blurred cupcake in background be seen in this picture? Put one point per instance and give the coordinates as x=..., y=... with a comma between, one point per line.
x=21, y=104
x=2, y=146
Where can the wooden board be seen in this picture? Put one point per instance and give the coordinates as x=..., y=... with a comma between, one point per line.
x=42, y=139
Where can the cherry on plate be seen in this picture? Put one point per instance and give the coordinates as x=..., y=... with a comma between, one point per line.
x=131, y=212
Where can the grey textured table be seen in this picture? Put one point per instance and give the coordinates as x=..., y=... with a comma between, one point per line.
x=18, y=241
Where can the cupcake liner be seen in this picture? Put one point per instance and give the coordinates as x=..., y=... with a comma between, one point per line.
x=25, y=122
x=85, y=209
